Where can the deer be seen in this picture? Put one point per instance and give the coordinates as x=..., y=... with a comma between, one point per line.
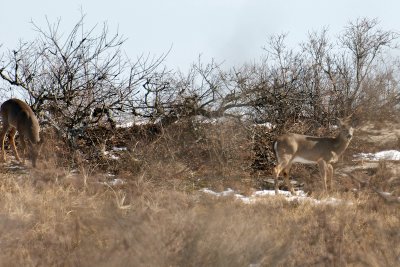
x=18, y=116
x=297, y=148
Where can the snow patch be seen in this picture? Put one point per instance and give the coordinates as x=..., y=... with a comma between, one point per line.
x=266, y=125
x=119, y=148
x=127, y=124
x=301, y=196
x=115, y=182
x=382, y=155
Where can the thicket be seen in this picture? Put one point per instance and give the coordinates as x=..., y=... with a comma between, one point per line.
x=81, y=85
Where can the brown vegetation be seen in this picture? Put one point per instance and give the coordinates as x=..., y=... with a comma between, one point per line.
x=57, y=216
x=104, y=195
x=60, y=218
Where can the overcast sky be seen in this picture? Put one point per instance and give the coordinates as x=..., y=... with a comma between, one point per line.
x=233, y=31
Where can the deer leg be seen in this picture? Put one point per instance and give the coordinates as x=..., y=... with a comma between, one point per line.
x=23, y=146
x=330, y=176
x=3, y=136
x=277, y=171
x=12, y=142
x=286, y=172
x=283, y=165
x=322, y=171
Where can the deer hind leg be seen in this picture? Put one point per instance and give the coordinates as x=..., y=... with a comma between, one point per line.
x=3, y=137
x=13, y=131
x=329, y=176
x=323, y=170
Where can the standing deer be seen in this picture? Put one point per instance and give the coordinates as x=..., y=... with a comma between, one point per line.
x=18, y=116
x=291, y=148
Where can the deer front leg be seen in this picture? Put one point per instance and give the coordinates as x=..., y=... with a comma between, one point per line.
x=322, y=170
x=12, y=142
x=286, y=172
x=2, y=137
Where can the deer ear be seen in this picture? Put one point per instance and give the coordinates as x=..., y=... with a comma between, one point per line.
x=340, y=121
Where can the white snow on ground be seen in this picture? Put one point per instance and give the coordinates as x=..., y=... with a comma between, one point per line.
x=126, y=124
x=266, y=125
x=259, y=195
x=114, y=182
x=130, y=122
x=110, y=155
x=205, y=120
x=119, y=148
x=113, y=157
x=382, y=155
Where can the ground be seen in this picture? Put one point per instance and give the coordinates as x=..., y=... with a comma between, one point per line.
x=55, y=215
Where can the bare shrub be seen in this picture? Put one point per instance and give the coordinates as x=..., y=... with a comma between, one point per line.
x=79, y=79
x=196, y=152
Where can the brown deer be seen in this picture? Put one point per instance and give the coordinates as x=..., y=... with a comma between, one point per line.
x=18, y=116
x=291, y=148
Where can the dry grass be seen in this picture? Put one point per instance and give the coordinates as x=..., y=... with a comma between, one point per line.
x=55, y=223
x=53, y=216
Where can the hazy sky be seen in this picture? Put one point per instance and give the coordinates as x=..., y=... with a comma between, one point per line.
x=233, y=31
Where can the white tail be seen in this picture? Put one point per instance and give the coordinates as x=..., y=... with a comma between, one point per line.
x=291, y=148
x=18, y=116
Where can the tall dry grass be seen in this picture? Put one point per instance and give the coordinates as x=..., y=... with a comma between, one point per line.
x=75, y=221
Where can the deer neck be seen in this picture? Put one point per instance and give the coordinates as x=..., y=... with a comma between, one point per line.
x=341, y=144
